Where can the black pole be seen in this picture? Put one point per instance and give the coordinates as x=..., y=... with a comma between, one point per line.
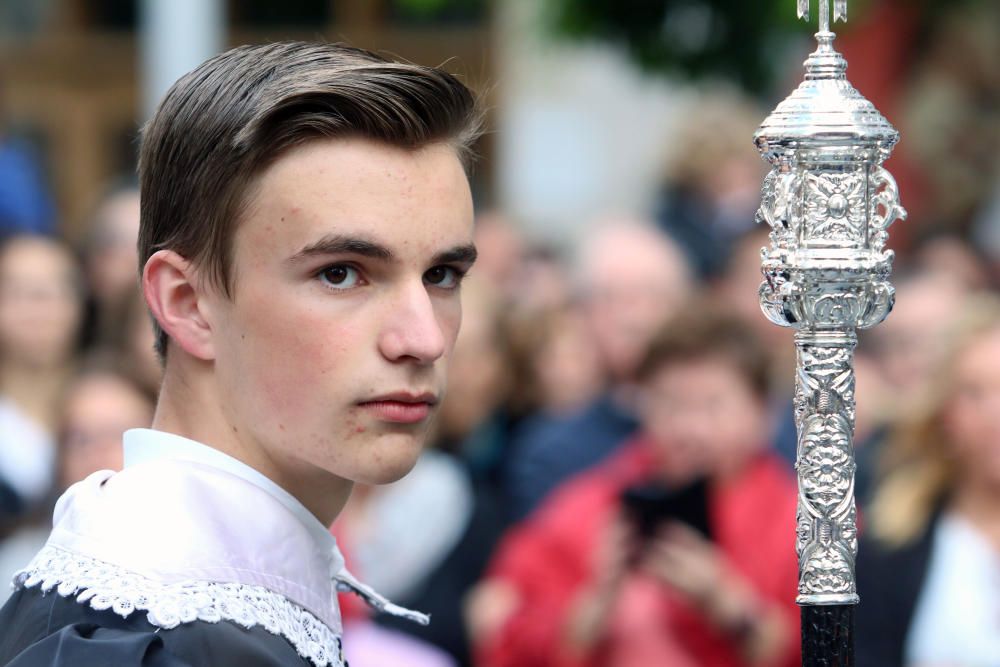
x=828, y=636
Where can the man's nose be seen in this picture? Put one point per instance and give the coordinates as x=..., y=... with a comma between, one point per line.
x=412, y=329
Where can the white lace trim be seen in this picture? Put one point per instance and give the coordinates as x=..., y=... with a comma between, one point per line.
x=105, y=586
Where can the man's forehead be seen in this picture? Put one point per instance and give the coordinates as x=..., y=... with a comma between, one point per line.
x=351, y=190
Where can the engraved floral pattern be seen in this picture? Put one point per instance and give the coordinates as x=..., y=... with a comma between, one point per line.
x=826, y=275
x=824, y=414
x=835, y=208
x=827, y=571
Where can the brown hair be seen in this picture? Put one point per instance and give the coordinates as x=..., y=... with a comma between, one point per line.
x=220, y=125
x=707, y=333
x=918, y=465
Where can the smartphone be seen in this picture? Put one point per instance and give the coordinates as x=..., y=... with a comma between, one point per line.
x=648, y=506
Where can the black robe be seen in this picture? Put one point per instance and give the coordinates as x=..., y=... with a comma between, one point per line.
x=47, y=630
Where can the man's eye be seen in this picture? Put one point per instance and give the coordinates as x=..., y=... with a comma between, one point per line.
x=443, y=276
x=340, y=276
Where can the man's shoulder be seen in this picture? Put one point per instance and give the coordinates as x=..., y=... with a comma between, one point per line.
x=46, y=629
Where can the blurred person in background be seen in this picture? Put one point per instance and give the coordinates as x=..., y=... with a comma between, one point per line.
x=895, y=361
x=929, y=562
x=736, y=287
x=951, y=255
x=909, y=344
x=543, y=282
x=110, y=258
x=949, y=120
x=132, y=342
x=101, y=403
x=474, y=419
x=631, y=279
x=558, y=367
x=588, y=580
x=41, y=305
x=98, y=405
x=501, y=249
x=712, y=186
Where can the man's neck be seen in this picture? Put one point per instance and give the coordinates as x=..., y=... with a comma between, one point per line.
x=189, y=406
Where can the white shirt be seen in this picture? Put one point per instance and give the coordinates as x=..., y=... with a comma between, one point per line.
x=957, y=618
x=27, y=453
x=187, y=533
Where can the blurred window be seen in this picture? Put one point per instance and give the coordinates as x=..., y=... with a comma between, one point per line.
x=436, y=12
x=292, y=13
x=24, y=18
x=112, y=14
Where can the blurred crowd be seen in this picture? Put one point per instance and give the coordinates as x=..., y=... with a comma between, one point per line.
x=610, y=481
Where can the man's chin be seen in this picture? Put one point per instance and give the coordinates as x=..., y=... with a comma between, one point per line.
x=385, y=465
x=387, y=474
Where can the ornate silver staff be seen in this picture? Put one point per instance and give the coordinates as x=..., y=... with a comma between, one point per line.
x=829, y=202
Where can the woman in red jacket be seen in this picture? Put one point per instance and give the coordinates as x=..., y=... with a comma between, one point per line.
x=587, y=582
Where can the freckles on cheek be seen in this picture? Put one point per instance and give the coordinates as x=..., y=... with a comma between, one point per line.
x=301, y=358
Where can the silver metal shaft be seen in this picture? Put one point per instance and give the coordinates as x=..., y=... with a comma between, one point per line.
x=829, y=202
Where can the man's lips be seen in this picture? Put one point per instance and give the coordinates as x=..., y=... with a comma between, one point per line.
x=401, y=408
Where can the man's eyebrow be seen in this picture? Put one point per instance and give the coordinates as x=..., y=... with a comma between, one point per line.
x=463, y=254
x=343, y=245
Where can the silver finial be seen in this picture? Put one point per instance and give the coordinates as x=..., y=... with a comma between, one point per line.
x=829, y=202
x=839, y=12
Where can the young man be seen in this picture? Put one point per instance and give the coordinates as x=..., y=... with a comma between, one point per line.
x=306, y=222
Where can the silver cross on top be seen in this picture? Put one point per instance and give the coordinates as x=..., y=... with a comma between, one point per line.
x=839, y=12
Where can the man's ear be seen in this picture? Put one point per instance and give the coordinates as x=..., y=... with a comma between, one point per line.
x=171, y=288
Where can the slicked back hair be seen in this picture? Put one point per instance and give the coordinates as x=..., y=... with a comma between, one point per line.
x=221, y=125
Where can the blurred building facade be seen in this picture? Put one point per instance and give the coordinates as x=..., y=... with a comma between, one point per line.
x=71, y=81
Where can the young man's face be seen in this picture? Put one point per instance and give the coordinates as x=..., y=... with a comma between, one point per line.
x=331, y=353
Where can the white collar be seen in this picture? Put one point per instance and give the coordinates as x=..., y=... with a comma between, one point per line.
x=188, y=533
x=145, y=445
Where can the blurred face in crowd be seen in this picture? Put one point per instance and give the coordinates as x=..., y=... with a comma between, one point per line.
x=703, y=417
x=739, y=286
x=911, y=340
x=329, y=357
x=501, y=249
x=566, y=364
x=634, y=280
x=40, y=302
x=97, y=410
x=112, y=256
x=972, y=416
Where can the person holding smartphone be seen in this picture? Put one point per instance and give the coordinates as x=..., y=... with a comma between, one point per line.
x=680, y=551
